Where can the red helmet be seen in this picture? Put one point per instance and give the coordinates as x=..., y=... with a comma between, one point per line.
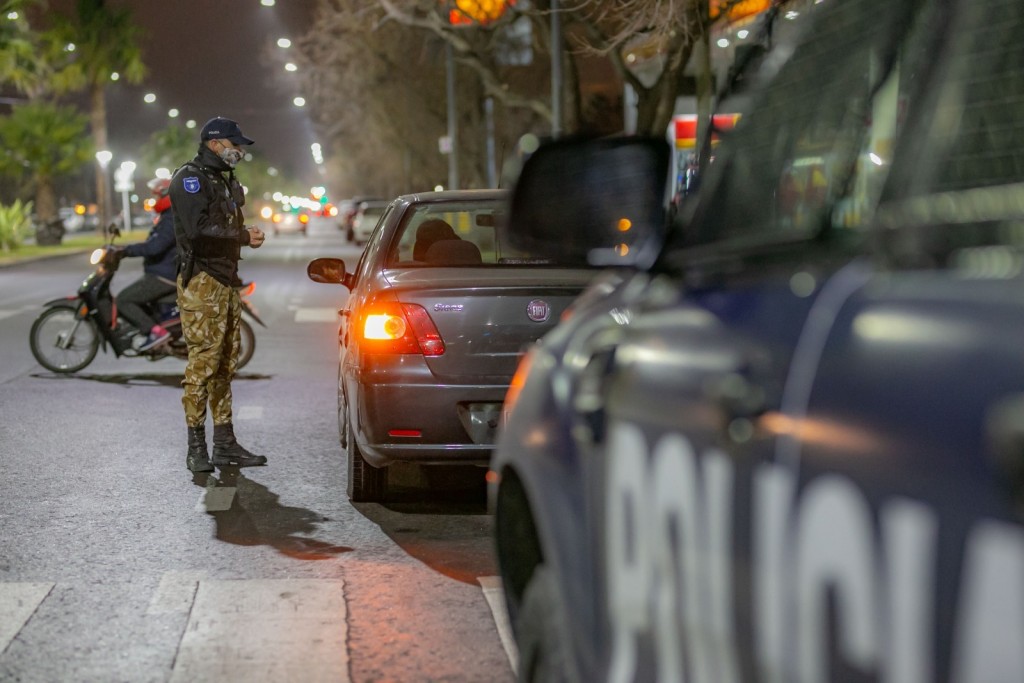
x=159, y=186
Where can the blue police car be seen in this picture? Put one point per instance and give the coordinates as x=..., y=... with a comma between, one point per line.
x=783, y=439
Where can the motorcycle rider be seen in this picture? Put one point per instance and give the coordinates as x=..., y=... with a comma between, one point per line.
x=160, y=267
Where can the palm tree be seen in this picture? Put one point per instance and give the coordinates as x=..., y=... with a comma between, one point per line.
x=40, y=142
x=25, y=59
x=170, y=147
x=105, y=41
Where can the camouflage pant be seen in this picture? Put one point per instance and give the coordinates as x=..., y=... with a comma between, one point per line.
x=210, y=315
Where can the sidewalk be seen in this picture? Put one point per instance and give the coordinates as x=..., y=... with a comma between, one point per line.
x=81, y=243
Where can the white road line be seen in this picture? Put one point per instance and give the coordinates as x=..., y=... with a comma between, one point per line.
x=249, y=413
x=316, y=315
x=495, y=596
x=215, y=498
x=10, y=312
x=265, y=630
x=18, y=602
x=175, y=593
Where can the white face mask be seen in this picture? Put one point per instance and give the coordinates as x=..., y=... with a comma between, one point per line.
x=230, y=156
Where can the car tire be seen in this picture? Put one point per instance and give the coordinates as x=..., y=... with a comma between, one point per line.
x=366, y=483
x=542, y=632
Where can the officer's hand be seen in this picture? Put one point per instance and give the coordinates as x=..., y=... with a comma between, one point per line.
x=256, y=236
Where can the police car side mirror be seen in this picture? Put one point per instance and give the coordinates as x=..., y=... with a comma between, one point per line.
x=591, y=202
x=330, y=271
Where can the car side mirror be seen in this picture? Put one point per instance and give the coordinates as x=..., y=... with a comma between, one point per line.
x=592, y=202
x=330, y=271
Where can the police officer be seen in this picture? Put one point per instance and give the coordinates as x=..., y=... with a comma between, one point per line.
x=210, y=233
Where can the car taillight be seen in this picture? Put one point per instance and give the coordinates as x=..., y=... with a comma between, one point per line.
x=393, y=327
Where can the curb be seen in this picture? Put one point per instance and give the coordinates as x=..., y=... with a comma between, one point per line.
x=43, y=257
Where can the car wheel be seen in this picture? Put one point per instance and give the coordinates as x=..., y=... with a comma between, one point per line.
x=541, y=632
x=366, y=483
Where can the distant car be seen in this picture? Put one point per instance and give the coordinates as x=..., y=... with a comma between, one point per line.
x=784, y=439
x=366, y=218
x=439, y=311
x=289, y=222
x=347, y=209
x=78, y=222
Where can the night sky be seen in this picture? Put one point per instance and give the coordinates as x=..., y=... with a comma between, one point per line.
x=214, y=58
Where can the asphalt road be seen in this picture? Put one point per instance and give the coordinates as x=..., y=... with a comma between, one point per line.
x=117, y=564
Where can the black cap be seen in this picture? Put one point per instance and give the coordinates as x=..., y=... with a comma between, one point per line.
x=220, y=128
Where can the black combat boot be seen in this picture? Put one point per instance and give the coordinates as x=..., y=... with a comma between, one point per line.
x=198, y=460
x=227, y=451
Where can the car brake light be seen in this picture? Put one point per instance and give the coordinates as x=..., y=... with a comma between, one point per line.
x=393, y=327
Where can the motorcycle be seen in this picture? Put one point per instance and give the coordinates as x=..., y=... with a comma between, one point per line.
x=67, y=335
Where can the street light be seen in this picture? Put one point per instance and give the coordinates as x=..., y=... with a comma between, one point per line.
x=123, y=183
x=103, y=158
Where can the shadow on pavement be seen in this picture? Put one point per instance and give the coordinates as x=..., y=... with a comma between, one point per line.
x=148, y=379
x=248, y=513
x=439, y=516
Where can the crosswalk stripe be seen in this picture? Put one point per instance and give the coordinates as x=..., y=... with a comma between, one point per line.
x=495, y=596
x=18, y=602
x=175, y=593
x=265, y=630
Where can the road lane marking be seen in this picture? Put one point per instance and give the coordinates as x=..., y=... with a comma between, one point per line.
x=215, y=498
x=18, y=602
x=250, y=413
x=11, y=312
x=316, y=315
x=175, y=593
x=495, y=596
x=265, y=630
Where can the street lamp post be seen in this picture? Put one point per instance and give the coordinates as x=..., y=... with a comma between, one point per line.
x=123, y=184
x=103, y=158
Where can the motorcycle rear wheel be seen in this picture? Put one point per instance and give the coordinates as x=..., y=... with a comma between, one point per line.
x=58, y=325
x=247, y=346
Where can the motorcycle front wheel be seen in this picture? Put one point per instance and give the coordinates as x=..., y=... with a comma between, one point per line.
x=247, y=346
x=63, y=342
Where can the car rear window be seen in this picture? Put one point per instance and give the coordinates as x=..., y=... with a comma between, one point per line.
x=456, y=234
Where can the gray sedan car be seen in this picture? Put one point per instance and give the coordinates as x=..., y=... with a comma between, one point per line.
x=439, y=312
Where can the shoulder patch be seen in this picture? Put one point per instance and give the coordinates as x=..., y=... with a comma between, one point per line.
x=191, y=184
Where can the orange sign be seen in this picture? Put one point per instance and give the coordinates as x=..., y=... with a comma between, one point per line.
x=686, y=128
x=737, y=9
x=465, y=12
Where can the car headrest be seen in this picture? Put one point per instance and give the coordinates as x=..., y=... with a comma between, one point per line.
x=452, y=253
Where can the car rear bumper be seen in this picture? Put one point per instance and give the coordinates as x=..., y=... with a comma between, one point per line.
x=426, y=423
